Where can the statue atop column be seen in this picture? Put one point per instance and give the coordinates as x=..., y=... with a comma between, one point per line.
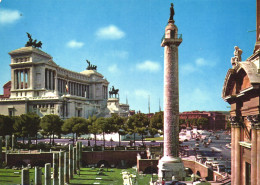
x=171, y=12
x=32, y=42
x=91, y=66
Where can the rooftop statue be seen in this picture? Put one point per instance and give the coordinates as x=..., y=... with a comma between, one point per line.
x=237, y=56
x=171, y=12
x=90, y=66
x=32, y=42
x=113, y=91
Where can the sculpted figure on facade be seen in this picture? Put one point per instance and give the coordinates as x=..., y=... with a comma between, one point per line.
x=237, y=56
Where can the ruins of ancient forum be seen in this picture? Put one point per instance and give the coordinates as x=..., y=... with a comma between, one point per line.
x=41, y=86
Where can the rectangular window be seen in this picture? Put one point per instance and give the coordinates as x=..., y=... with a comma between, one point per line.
x=248, y=173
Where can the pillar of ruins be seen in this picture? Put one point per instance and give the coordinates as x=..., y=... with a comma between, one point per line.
x=38, y=175
x=25, y=180
x=66, y=167
x=170, y=164
x=47, y=174
x=80, y=155
x=1, y=158
x=13, y=142
x=70, y=161
x=7, y=142
x=61, y=168
x=55, y=168
x=74, y=160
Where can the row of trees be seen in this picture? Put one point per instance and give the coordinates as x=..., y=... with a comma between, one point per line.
x=199, y=122
x=28, y=125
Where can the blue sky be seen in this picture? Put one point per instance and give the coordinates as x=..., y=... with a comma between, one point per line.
x=123, y=39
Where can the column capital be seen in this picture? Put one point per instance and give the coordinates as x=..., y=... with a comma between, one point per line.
x=234, y=121
x=255, y=121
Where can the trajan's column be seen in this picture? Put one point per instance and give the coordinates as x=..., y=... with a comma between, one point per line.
x=170, y=164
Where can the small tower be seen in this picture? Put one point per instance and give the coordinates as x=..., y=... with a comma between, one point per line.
x=170, y=165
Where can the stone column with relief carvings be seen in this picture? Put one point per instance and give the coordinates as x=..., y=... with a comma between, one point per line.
x=170, y=165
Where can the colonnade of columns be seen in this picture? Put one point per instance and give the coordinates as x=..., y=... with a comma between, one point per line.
x=236, y=165
x=22, y=78
x=73, y=88
x=50, y=79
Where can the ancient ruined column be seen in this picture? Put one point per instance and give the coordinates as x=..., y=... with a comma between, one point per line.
x=1, y=158
x=25, y=180
x=13, y=142
x=38, y=176
x=70, y=161
x=47, y=174
x=7, y=142
x=74, y=160
x=170, y=164
x=77, y=155
x=55, y=168
x=80, y=155
x=66, y=167
x=61, y=168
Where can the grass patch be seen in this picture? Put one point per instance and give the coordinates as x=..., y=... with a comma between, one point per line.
x=110, y=176
x=154, y=138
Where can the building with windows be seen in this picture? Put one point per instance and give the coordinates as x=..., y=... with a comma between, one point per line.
x=39, y=85
x=216, y=120
x=242, y=91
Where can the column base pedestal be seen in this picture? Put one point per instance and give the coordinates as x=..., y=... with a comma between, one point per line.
x=169, y=167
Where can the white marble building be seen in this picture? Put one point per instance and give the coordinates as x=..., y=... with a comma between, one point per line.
x=39, y=85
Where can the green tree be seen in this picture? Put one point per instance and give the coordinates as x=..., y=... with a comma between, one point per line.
x=6, y=125
x=94, y=127
x=76, y=126
x=20, y=128
x=29, y=124
x=156, y=123
x=138, y=123
x=118, y=124
x=201, y=122
x=51, y=125
x=105, y=126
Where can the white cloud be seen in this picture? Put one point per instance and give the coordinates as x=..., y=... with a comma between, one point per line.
x=148, y=66
x=196, y=66
x=141, y=93
x=110, y=32
x=203, y=62
x=197, y=98
x=117, y=54
x=75, y=44
x=113, y=69
x=9, y=16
